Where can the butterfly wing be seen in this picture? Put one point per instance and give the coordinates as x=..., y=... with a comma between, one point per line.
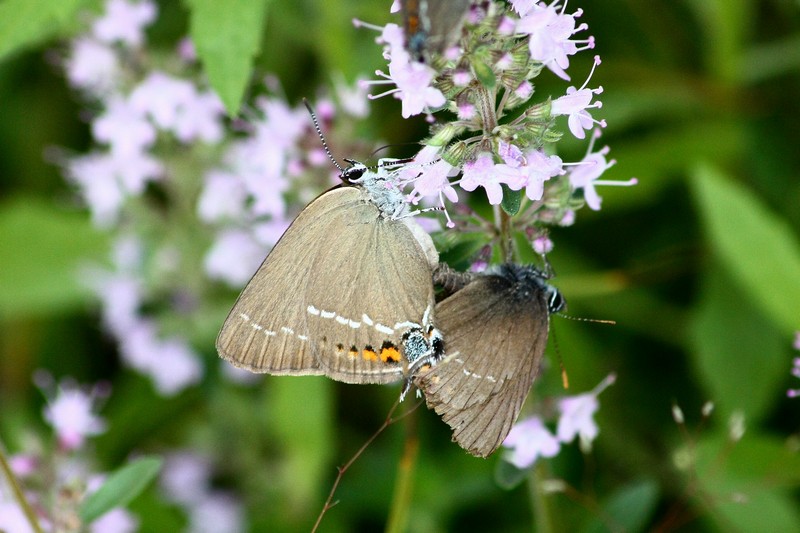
x=304, y=310
x=495, y=336
x=432, y=25
x=446, y=18
x=381, y=286
x=264, y=332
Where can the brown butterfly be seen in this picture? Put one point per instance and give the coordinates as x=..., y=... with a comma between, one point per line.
x=495, y=329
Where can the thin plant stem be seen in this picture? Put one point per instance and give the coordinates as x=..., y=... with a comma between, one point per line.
x=329, y=503
x=17, y=490
x=542, y=519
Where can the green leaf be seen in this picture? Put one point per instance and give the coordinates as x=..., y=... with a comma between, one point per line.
x=737, y=349
x=508, y=476
x=753, y=243
x=746, y=486
x=227, y=36
x=26, y=22
x=122, y=486
x=43, y=249
x=484, y=74
x=628, y=509
x=511, y=201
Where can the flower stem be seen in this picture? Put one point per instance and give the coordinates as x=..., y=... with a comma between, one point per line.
x=506, y=242
x=542, y=519
x=401, y=501
x=485, y=105
x=17, y=490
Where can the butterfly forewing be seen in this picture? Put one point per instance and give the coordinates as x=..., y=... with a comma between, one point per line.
x=265, y=330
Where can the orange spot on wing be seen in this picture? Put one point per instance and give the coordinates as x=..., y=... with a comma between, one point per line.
x=390, y=354
x=369, y=355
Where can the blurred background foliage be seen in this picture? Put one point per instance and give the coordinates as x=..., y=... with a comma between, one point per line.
x=699, y=265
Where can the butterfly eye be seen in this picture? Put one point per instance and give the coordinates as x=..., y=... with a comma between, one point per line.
x=556, y=302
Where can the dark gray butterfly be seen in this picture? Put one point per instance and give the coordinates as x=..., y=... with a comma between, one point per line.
x=432, y=25
x=346, y=292
x=495, y=328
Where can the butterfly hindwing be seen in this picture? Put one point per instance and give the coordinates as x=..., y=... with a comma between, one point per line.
x=495, y=332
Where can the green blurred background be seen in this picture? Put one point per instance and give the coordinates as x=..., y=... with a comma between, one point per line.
x=699, y=265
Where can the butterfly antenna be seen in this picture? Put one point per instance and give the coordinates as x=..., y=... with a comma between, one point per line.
x=564, y=375
x=582, y=319
x=321, y=136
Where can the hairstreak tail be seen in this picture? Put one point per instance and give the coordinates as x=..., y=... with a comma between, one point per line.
x=495, y=328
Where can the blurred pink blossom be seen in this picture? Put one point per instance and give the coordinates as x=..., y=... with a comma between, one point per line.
x=529, y=440
x=92, y=66
x=124, y=22
x=577, y=414
x=234, y=257
x=71, y=414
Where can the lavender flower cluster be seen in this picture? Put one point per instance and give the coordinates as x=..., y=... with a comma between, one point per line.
x=485, y=80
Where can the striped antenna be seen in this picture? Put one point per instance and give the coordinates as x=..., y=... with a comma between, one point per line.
x=321, y=136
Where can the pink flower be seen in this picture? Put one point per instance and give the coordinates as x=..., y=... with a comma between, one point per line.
x=522, y=7
x=23, y=464
x=93, y=174
x=577, y=414
x=575, y=104
x=430, y=176
x=542, y=245
x=12, y=519
x=218, y=512
x=116, y=520
x=105, y=180
x=269, y=232
x=262, y=159
x=234, y=257
x=413, y=80
x=223, y=197
x=433, y=181
x=92, y=66
x=162, y=97
x=200, y=118
x=186, y=50
x=584, y=175
x=176, y=105
x=539, y=168
x=529, y=440
x=71, y=416
x=124, y=22
x=179, y=367
x=171, y=364
x=186, y=477
x=352, y=98
x=124, y=128
x=549, y=30
x=483, y=173
x=121, y=296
